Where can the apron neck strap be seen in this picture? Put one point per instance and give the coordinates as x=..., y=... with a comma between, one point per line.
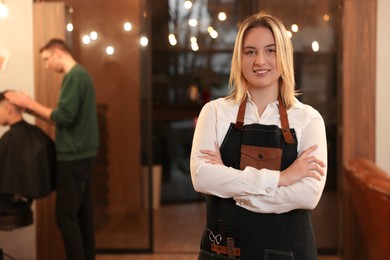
x=288, y=138
x=240, y=116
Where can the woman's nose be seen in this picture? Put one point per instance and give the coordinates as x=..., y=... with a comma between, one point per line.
x=259, y=59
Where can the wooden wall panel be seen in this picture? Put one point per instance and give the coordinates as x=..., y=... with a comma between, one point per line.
x=117, y=83
x=48, y=22
x=358, y=104
x=359, y=59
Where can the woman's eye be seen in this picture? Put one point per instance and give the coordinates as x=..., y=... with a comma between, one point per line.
x=250, y=52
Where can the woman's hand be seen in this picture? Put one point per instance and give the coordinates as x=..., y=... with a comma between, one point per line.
x=213, y=157
x=304, y=166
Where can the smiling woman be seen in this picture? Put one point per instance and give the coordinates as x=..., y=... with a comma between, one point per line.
x=249, y=199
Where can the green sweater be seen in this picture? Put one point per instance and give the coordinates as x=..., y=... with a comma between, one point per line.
x=77, y=135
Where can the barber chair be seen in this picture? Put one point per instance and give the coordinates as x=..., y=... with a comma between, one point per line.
x=369, y=189
x=15, y=212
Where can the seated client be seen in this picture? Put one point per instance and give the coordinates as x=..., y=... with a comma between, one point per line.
x=27, y=161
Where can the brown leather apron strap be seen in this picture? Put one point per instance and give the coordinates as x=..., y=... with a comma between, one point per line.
x=240, y=115
x=288, y=138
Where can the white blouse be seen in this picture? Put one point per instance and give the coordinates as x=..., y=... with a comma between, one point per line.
x=252, y=189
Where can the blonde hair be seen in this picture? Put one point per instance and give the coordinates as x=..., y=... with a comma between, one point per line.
x=284, y=58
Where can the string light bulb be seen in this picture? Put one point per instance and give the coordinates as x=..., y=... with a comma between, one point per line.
x=144, y=41
x=222, y=16
x=187, y=4
x=315, y=46
x=3, y=9
x=294, y=28
x=69, y=27
x=172, y=39
x=127, y=26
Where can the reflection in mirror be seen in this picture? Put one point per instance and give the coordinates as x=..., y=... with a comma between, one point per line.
x=110, y=49
x=191, y=54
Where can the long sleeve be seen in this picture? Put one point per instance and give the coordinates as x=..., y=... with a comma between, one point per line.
x=257, y=190
x=220, y=180
x=304, y=194
x=69, y=100
x=77, y=133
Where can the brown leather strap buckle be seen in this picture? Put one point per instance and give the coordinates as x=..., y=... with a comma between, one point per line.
x=218, y=249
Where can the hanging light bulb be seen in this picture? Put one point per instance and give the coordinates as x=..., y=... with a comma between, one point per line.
x=110, y=50
x=144, y=41
x=187, y=4
x=172, y=39
x=294, y=28
x=93, y=35
x=3, y=9
x=194, y=43
x=69, y=27
x=193, y=22
x=127, y=26
x=315, y=46
x=222, y=16
x=86, y=39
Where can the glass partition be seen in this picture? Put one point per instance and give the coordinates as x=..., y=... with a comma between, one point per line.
x=191, y=52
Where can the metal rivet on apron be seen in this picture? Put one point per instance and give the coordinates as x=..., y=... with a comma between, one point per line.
x=260, y=156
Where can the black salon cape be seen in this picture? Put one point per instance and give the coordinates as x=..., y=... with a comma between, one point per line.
x=27, y=161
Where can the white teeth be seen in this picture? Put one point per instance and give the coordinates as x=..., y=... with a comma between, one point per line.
x=260, y=72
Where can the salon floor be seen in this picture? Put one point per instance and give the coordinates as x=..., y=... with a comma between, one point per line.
x=164, y=256
x=178, y=228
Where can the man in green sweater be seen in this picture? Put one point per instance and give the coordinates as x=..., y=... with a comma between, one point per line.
x=77, y=141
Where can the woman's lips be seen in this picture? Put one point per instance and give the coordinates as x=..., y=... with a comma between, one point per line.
x=261, y=72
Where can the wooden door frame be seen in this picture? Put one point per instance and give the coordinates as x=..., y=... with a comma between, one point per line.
x=358, y=84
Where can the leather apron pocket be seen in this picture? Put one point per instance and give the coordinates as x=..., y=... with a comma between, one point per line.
x=261, y=157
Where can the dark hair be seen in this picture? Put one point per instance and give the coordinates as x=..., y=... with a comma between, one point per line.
x=56, y=44
x=2, y=95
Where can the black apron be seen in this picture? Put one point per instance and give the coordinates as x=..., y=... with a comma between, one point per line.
x=232, y=232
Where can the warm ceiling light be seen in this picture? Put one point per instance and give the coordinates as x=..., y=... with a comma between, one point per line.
x=193, y=22
x=222, y=16
x=110, y=50
x=194, y=46
x=213, y=34
x=315, y=46
x=144, y=41
x=3, y=9
x=93, y=35
x=127, y=26
x=326, y=17
x=294, y=28
x=172, y=39
x=86, y=39
x=187, y=4
x=69, y=27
